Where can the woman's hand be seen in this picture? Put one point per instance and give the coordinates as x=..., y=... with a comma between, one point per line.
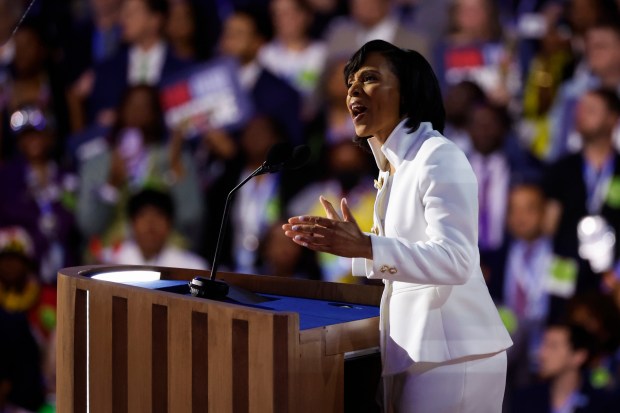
x=337, y=236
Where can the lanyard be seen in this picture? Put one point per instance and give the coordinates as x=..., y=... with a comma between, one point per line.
x=529, y=275
x=597, y=184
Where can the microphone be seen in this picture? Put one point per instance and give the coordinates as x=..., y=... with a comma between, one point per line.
x=300, y=156
x=281, y=156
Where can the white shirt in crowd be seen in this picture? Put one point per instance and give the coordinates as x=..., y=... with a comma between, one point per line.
x=146, y=66
x=128, y=253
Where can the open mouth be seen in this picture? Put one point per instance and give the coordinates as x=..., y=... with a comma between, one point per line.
x=358, y=110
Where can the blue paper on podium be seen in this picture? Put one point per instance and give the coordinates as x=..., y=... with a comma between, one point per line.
x=206, y=96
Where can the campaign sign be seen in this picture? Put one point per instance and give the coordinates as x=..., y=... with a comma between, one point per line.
x=207, y=96
x=488, y=64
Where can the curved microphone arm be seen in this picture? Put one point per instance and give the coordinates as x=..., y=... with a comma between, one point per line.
x=259, y=171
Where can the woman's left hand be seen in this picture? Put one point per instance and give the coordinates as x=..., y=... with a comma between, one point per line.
x=341, y=237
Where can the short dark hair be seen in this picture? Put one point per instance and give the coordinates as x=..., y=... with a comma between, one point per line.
x=158, y=6
x=610, y=97
x=260, y=18
x=579, y=339
x=420, y=95
x=151, y=197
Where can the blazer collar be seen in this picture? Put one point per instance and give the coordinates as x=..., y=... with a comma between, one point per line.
x=399, y=144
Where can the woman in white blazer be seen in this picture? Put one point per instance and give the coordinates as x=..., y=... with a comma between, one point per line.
x=442, y=341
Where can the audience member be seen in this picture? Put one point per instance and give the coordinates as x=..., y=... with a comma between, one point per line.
x=458, y=101
x=598, y=315
x=93, y=39
x=476, y=49
x=586, y=184
x=324, y=12
x=19, y=285
x=38, y=194
x=430, y=17
x=32, y=79
x=497, y=161
x=140, y=156
x=292, y=54
x=283, y=258
x=602, y=61
x=147, y=60
x=244, y=34
x=369, y=20
x=334, y=123
x=521, y=289
x=582, y=15
x=188, y=32
x=151, y=216
x=260, y=202
x=547, y=69
x=564, y=353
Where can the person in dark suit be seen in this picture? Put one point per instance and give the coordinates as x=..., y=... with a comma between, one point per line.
x=584, y=184
x=498, y=161
x=147, y=59
x=563, y=354
x=243, y=35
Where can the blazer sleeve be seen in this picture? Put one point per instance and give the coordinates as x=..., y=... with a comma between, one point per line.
x=448, y=255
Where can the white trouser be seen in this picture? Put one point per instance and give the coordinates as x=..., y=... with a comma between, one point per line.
x=473, y=384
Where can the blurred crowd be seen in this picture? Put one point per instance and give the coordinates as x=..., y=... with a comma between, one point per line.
x=90, y=171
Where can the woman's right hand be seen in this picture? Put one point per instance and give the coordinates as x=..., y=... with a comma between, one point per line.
x=334, y=235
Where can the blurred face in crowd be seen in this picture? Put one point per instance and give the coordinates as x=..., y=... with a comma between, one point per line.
x=240, y=38
x=29, y=52
x=347, y=163
x=556, y=356
x=290, y=19
x=472, y=17
x=151, y=228
x=13, y=271
x=526, y=210
x=138, y=111
x=139, y=22
x=279, y=253
x=457, y=102
x=593, y=120
x=582, y=14
x=180, y=23
x=603, y=50
x=35, y=145
x=105, y=6
x=335, y=89
x=257, y=138
x=486, y=130
x=369, y=12
x=373, y=98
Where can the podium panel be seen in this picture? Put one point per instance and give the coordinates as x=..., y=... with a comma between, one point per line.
x=152, y=347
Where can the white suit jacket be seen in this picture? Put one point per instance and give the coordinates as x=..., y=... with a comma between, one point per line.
x=436, y=305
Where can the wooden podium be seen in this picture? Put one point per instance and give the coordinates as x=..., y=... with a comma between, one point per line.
x=126, y=348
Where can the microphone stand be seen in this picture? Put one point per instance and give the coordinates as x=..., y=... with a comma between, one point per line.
x=210, y=287
x=279, y=157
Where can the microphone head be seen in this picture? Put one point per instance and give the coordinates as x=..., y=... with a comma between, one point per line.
x=278, y=154
x=300, y=156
